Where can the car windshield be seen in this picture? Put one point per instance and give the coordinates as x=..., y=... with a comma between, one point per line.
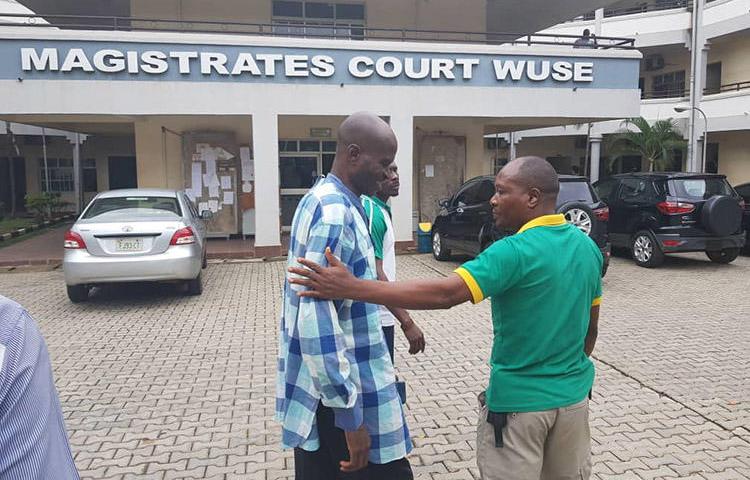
x=136, y=206
x=702, y=188
x=575, y=192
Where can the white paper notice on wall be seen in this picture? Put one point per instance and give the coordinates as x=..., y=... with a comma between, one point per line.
x=213, y=205
x=226, y=182
x=228, y=198
x=213, y=190
x=429, y=171
x=247, y=187
x=202, y=206
x=197, y=157
x=248, y=166
x=196, y=185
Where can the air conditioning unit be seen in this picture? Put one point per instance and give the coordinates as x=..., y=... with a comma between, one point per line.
x=654, y=62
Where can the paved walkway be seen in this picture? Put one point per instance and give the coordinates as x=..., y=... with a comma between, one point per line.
x=155, y=385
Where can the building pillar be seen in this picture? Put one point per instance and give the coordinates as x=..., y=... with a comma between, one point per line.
x=403, y=126
x=513, y=139
x=596, y=149
x=266, y=159
x=76, y=140
x=698, y=57
x=598, y=17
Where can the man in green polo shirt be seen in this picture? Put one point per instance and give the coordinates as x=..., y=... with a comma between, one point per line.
x=545, y=287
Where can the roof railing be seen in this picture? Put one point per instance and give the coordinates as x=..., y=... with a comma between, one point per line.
x=306, y=30
x=643, y=7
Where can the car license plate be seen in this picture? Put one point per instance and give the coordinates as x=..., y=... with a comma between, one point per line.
x=129, y=244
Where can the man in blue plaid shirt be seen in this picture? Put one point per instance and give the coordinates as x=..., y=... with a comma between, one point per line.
x=336, y=395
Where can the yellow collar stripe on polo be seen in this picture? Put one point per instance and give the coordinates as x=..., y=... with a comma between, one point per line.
x=544, y=221
x=476, y=292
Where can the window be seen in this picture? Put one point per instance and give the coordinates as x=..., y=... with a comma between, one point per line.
x=191, y=206
x=633, y=188
x=60, y=175
x=574, y=192
x=139, y=206
x=669, y=85
x=89, y=175
x=495, y=143
x=475, y=193
x=713, y=78
x=298, y=172
x=499, y=163
x=606, y=189
x=712, y=158
x=702, y=188
x=319, y=19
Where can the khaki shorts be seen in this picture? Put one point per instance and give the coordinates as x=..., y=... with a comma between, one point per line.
x=548, y=445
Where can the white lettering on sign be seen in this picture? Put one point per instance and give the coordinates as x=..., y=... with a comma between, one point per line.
x=76, y=58
x=467, y=67
x=323, y=66
x=502, y=68
x=245, y=63
x=109, y=61
x=355, y=67
x=583, y=72
x=46, y=60
x=154, y=62
x=424, y=68
x=295, y=66
x=183, y=59
x=562, y=71
x=386, y=67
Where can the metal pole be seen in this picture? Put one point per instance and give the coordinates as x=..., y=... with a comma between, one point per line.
x=44, y=155
x=705, y=140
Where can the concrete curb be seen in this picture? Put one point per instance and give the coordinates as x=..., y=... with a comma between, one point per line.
x=35, y=226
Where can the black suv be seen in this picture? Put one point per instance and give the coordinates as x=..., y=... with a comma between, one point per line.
x=656, y=213
x=464, y=223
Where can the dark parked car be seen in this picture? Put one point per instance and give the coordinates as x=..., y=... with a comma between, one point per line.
x=652, y=214
x=464, y=223
x=744, y=191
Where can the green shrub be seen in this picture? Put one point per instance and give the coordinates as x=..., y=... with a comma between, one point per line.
x=45, y=205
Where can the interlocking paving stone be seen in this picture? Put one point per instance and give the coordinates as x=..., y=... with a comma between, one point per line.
x=157, y=385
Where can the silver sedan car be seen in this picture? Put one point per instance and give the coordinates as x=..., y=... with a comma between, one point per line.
x=136, y=235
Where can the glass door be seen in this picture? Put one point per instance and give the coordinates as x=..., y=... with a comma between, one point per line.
x=301, y=162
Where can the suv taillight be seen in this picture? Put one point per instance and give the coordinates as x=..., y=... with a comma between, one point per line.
x=675, y=208
x=602, y=214
x=183, y=236
x=73, y=241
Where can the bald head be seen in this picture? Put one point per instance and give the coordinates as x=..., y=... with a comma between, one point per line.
x=533, y=172
x=366, y=146
x=366, y=130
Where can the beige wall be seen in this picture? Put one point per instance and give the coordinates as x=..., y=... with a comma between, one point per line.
x=298, y=127
x=452, y=15
x=734, y=155
x=466, y=15
x=734, y=55
x=159, y=156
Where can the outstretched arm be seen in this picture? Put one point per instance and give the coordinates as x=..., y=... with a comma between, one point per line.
x=336, y=282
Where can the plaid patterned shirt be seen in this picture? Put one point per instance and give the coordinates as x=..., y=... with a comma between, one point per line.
x=334, y=352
